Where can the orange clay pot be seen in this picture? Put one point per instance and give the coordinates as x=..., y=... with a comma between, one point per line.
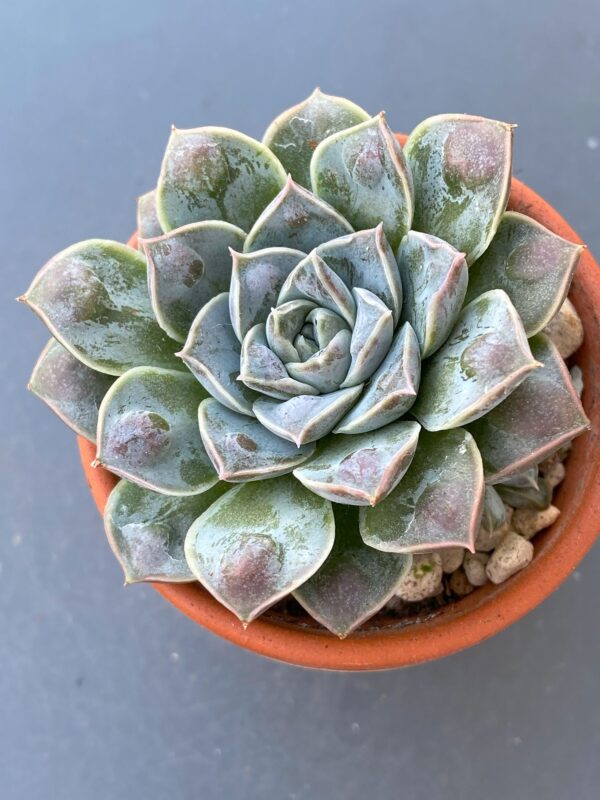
x=386, y=642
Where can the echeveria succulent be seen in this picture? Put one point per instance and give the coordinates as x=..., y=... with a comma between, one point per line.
x=325, y=356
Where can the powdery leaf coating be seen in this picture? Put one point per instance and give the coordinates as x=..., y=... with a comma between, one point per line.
x=296, y=218
x=146, y=531
x=294, y=135
x=542, y=414
x=241, y=449
x=434, y=280
x=362, y=172
x=313, y=280
x=93, y=297
x=218, y=174
x=72, y=390
x=392, y=389
x=371, y=337
x=461, y=166
x=148, y=225
x=259, y=542
x=326, y=369
x=186, y=268
x=533, y=265
x=361, y=470
x=148, y=432
x=437, y=503
x=212, y=353
x=484, y=359
x=256, y=280
x=355, y=582
x=305, y=419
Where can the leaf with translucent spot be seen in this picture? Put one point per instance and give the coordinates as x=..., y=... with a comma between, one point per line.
x=461, y=167
x=326, y=369
x=362, y=172
x=148, y=432
x=361, y=470
x=438, y=502
x=355, y=581
x=186, y=268
x=294, y=135
x=313, y=280
x=434, y=279
x=259, y=542
x=542, y=414
x=533, y=265
x=148, y=225
x=72, y=390
x=93, y=297
x=215, y=173
x=241, y=449
x=484, y=359
x=371, y=337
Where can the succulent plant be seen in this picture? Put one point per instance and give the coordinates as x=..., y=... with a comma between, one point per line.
x=324, y=354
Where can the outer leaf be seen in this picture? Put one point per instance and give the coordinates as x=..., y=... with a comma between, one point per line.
x=215, y=173
x=533, y=265
x=259, y=542
x=434, y=279
x=72, y=390
x=305, y=419
x=148, y=225
x=538, y=417
x=186, y=268
x=293, y=135
x=148, y=432
x=371, y=337
x=392, y=390
x=327, y=368
x=212, y=352
x=146, y=530
x=438, y=502
x=241, y=449
x=361, y=470
x=93, y=297
x=296, y=218
x=256, y=280
x=355, y=581
x=461, y=167
x=313, y=280
x=362, y=172
x=485, y=358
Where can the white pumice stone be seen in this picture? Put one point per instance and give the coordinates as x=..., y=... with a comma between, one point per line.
x=474, y=567
x=513, y=554
x=452, y=558
x=528, y=522
x=424, y=579
x=566, y=329
x=555, y=474
x=489, y=540
x=459, y=583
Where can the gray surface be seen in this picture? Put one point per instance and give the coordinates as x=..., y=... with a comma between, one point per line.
x=110, y=693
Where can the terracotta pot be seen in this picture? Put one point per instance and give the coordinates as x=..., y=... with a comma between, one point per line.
x=387, y=642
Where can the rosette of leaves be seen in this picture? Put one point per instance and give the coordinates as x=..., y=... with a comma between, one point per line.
x=324, y=348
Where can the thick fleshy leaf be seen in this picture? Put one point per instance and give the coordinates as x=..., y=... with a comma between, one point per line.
x=294, y=135
x=371, y=337
x=434, y=279
x=362, y=172
x=146, y=530
x=296, y=218
x=484, y=359
x=241, y=449
x=325, y=325
x=284, y=323
x=263, y=371
x=461, y=167
x=366, y=260
x=148, y=432
x=259, y=542
x=361, y=470
x=494, y=510
x=148, y=225
x=542, y=414
x=256, y=280
x=93, y=297
x=438, y=502
x=72, y=390
x=215, y=173
x=313, y=280
x=392, y=389
x=212, y=352
x=305, y=419
x=327, y=368
x=188, y=267
x=533, y=265
x=355, y=581
x=536, y=497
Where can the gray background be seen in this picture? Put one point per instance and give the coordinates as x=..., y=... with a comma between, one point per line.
x=110, y=693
